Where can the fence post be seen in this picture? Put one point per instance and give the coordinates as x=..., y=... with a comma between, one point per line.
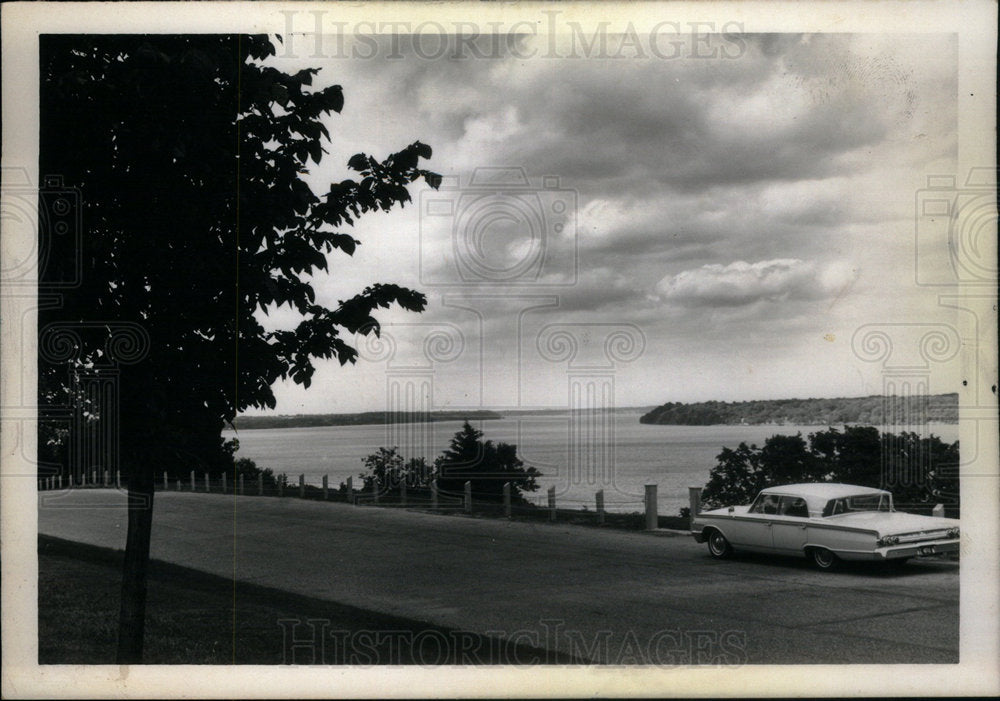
x=402, y=491
x=118, y=479
x=434, y=494
x=938, y=510
x=260, y=484
x=208, y=487
x=302, y=486
x=599, y=497
x=326, y=488
x=506, y=499
x=375, y=490
x=242, y=492
x=281, y=487
x=107, y=478
x=468, y=496
x=93, y=477
x=83, y=478
x=350, y=490
x=166, y=484
x=59, y=481
x=193, y=487
x=552, y=503
x=179, y=486
x=694, y=501
x=652, y=522
x=225, y=485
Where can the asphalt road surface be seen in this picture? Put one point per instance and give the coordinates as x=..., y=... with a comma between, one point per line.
x=603, y=595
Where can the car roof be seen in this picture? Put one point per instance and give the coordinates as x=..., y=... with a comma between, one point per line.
x=817, y=494
x=822, y=490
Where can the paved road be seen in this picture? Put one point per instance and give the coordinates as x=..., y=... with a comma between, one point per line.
x=610, y=596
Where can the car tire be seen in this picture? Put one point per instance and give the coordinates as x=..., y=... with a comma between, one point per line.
x=823, y=559
x=718, y=546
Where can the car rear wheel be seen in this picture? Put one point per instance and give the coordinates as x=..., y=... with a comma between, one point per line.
x=718, y=546
x=823, y=559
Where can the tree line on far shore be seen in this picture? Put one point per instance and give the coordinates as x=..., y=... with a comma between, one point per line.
x=872, y=410
x=919, y=471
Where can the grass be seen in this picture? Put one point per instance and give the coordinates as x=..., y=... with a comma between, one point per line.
x=197, y=618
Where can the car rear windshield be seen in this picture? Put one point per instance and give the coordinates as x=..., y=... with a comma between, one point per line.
x=861, y=502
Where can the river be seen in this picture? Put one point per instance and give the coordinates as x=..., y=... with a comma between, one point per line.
x=577, y=456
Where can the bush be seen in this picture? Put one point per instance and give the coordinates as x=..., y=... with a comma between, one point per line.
x=918, y=471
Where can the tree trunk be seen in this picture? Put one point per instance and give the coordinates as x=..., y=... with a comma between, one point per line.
x=132, y=618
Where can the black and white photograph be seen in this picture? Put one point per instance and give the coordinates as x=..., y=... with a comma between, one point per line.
x=499, y=349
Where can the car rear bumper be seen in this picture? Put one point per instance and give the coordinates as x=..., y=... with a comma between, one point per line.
x=934, y=547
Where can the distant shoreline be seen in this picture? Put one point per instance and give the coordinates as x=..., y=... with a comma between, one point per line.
x=940, y=408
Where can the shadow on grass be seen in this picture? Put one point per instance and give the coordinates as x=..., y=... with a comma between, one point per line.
x=197, y=618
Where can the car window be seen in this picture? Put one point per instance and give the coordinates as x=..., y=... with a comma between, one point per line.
x=794, y=506
x=765, y=504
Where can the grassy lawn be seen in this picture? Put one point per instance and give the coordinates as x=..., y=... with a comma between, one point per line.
x=197, y=618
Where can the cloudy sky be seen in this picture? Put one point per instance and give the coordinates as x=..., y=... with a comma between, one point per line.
x=697, y=228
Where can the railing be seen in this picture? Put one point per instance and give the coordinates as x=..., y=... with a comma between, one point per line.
x=509, y=505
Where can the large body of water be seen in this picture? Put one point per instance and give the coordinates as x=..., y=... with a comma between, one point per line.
x=576, y=455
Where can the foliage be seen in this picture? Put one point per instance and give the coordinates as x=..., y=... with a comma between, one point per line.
x=827, y=412
x=468, y=458
x=485, y=464
x=188, y=154
x=918, y=471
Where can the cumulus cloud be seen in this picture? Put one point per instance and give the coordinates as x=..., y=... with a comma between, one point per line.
x=741, y=283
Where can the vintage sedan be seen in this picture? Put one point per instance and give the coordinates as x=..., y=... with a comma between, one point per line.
x=827, y=523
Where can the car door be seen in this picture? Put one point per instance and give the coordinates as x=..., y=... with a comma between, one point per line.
x=789, y=529
x=752, y=531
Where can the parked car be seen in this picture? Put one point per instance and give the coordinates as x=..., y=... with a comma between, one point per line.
x=827, y=523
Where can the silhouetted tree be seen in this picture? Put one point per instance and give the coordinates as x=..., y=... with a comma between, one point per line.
x=188, y=153
x=470, y=458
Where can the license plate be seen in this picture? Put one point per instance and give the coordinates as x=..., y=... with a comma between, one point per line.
x=926, y=550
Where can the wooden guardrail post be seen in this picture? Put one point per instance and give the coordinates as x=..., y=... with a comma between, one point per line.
x=552, y=503
x=107, y=478
x=193, y=487
x=59, y=481
x=652, y=520
x=118, y=479
x=402, y=491
x=434, y=494
x=694, y=500
x=468, y=496
x=166, y=483
x=599, y=498
x=506, y=499
x=208, y=486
